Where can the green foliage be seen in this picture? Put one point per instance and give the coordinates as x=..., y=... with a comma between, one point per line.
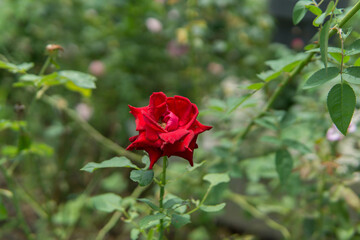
x=143, y=177
x=216, y=178
x=284, y=164
x=322, y=76
x=341, y=104
x=107, y=202
x=112, y=163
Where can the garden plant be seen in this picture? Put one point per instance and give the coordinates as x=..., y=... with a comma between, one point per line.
x=173, y=120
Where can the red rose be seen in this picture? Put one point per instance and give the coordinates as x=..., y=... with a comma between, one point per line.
x=167, y=127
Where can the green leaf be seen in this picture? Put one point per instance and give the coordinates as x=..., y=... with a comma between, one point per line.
x=80, y=79
x=107, y=202
x=357, y=62
x=330, y=50
x=24, y=140
x=3, y=211
x=319, y=20
x=302, y=148
x=134, y=234
x=338, y=57
x=114, y=162
x=212, y=208
x=143, y=177
x=314, y=9
x=352, y=75
x=216, y=178
x=21, y=68
x=299, y=11
x=180, y=220
x=283, y=164
x=341, y=105
x=269, y=75
x=240, y=101
x=255, y=86
x=174, y=201
x=150, y=203
x=270, y=139
x=329, y=7
x=324, y=42
x=13, y=125
x=322, y=76
x=145, y=160
x=354, y=48
x=149, y=220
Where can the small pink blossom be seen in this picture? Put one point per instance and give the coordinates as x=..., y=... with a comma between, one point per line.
x=84, y=111
x=215, y=68
x=297, y=44
x=333, y=134
x=153, y=25
x=97, y=68
x=176, y=49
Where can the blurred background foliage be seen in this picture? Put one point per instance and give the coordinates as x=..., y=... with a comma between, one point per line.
x=206, y=50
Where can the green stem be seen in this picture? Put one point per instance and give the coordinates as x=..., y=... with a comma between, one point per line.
x=296, y=71
x=161, y=200
x=244, y=204
x=45, y=66
x=23, y=224
x=201, y=202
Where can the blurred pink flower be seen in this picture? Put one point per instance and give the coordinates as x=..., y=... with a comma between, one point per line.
x=215, y=68
x=333, y=134
x=153, y=25
x=97, y=68
x=84, y=111
x=297, y=44
x=176, y=49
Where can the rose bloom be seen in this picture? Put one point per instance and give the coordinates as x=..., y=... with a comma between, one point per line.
x=167, y=127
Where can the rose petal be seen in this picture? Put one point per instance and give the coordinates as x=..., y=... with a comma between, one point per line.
x=183, y=108
x=157, y=105
x=172, y=137
x=139, y=119
x=154, y=155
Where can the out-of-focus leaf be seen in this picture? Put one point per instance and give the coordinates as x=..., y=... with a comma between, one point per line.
x=216, y=178
x=341, y=105
x=149, y=220
x=212, y=208
x=352, y=75
x=180, y=220
x=107, y=202
x=80, y=79
x=314, y=9
x=324, y=42
x=21, y=68
x=302, y=148
x=284, y=164
x=114, y=162
x=143, y=177
x=299, y=11
x=149, y=203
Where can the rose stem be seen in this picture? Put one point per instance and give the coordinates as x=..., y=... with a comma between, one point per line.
x=162, y=190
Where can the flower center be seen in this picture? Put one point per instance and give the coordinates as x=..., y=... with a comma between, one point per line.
x=169, y=121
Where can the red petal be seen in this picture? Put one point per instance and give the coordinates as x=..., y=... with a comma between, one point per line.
x=198, y=128
x=172, y=137
x=157, y=105
x=183, y=108
x=188, y=155
x=139, y=119
x=154, y=155
x=143, y=142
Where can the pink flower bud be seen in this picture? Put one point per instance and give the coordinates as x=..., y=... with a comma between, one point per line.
x=153, y=25
x=97, y=68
